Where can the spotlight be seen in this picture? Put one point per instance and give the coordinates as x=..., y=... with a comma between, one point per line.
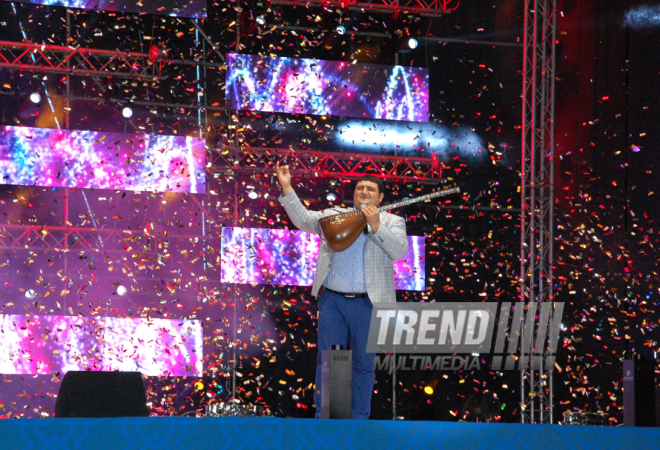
x=331, y=197
x=261, y=21
x=406, y=42
x=30, y=294
x=30, y=106
x=121, y=290
x=253, y=195
x=340, y=30
x=127, y=112
x=35, y=98
x=157, y=52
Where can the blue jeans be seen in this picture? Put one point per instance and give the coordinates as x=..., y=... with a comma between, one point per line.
x=344, y=321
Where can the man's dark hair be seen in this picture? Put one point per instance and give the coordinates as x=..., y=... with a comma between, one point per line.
x=372, y=179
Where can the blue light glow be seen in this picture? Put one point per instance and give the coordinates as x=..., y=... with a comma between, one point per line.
x=644, y=17
x=375, y=137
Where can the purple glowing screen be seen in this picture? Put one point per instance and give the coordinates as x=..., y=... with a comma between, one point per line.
x=335, y=88
x=48, y=344
x=178, y=8
x=288, y=257
x=93, y=159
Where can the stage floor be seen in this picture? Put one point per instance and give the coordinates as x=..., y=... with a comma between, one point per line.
x=233, y=433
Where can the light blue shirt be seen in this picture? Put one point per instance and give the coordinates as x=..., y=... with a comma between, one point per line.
x=347, y=270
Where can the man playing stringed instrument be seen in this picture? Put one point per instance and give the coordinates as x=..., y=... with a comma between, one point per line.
x=348, y=282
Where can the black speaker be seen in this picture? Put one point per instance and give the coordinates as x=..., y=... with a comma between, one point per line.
x=638, y=392
x=101, y=394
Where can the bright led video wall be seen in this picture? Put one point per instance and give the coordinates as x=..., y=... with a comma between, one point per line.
x=288, y=257
x=336, y=88
x=93, y=159
x=50, y=344
x=178, y=8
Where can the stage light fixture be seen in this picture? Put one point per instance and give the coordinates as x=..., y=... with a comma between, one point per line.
x=30, y=106
x=127, y=112
x=340, y=30
x=30, y=294
x=121, y=290
x=333, y=192
x=259, y=12
x=253, y=195
x=406, y=41
x=157, y=52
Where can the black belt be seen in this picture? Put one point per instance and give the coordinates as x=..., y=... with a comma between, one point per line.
x=348, y=295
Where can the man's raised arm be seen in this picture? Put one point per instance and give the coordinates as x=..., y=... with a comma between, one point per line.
x=284, y=179
x=301, y=218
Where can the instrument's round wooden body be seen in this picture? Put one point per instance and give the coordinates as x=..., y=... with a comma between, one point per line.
x=341, y=230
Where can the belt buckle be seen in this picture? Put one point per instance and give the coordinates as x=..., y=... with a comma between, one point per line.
x=350, y=295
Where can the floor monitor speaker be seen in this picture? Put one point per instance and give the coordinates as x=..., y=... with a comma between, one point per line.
x=101, y=394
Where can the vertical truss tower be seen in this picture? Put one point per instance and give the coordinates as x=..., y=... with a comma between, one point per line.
x=537, y=192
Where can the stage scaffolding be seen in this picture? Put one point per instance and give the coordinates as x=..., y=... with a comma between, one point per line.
x=327, y=164
x=429, y=8
x=537, y=192
x=85, y=62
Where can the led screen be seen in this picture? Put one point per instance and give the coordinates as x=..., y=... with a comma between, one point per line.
x=178, y=8
x=286, y=257
x=92, y=159
x=309, y=86
x=50, y=344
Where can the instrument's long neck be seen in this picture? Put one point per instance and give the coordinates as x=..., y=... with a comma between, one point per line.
x=410, y=201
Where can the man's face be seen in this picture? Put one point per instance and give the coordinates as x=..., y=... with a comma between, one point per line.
x=366, y=193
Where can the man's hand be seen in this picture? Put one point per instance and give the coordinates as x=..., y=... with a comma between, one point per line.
x=284, y=178
x=372, y=215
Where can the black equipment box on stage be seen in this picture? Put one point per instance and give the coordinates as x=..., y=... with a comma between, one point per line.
x=101, y=394
x=638, y=392
x=336, y=384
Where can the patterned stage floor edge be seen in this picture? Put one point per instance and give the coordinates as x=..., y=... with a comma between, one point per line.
x=232, y=433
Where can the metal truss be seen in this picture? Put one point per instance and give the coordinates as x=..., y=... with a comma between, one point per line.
x=44, y=238
x=537, y=192
x=75, y=61
x=327, y=164
x=430, y=8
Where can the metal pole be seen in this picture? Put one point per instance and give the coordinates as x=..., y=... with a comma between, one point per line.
x=394, y=386
x=207, y=38
x=233, y=362
x=537, y=192
x=67, y=108
x=440, y=40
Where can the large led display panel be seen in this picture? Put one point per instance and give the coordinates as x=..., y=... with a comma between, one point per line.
x=178, y=8
x=93, y=159
x=337, y=88
x=288, y=257
x=49, y=344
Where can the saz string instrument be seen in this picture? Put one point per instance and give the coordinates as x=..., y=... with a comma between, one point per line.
x=341, y=230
